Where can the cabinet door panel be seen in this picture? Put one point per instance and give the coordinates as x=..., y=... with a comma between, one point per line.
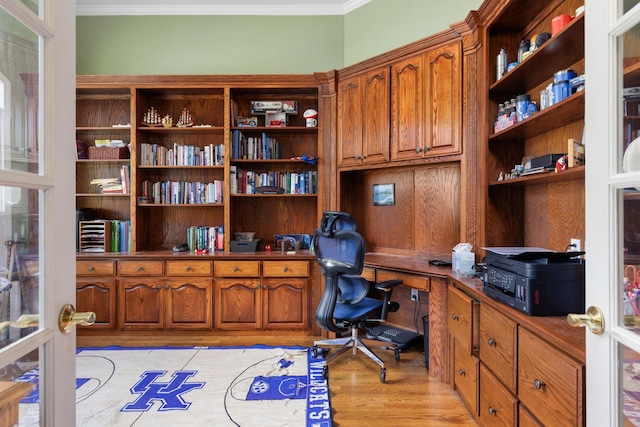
x=140, y=304
x=375, y=122
x=407, y=96
x=189, y=304
x=349, y=122
x=238, y=304
x=285, y=303
x=462, y=320
x=443, y=103
x=97, y=295
x=465, y=377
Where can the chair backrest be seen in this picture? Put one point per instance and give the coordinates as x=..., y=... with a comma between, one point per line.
x=339, y=250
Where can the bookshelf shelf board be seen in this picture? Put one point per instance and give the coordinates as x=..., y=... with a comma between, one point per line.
x=117, y=161
x=274, y=195
x=274, y=129
x=102, y=195
x=175, y=129
x=103, y=129
x=181, y=205
x=269, y=161
x=545, y=177
x=179, y=167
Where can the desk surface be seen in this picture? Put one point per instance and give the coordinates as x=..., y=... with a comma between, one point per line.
x=554, y=329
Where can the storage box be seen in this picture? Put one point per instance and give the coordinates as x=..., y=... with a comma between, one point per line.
x=109, y=153
x=237, y=246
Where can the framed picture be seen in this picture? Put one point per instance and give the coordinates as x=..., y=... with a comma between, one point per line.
x=384, y=195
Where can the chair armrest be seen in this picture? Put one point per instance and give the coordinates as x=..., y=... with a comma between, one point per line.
x=387, y=284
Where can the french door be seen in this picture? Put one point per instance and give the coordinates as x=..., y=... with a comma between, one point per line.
x=37, y=143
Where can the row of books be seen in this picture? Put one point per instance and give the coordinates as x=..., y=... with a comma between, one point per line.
x=181, y=155
x=205, y=238
x=254, y=147
x=246, y=182
x=120, y=236
x=183, y=192
x=115, y=185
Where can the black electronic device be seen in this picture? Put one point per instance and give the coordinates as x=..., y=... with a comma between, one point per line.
x=183, y=247
x=440, y=262
x=538, y=283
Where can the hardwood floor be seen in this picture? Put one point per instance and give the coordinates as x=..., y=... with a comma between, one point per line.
x=409, y=396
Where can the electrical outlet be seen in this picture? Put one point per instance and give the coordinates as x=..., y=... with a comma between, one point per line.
x=414, y=295
x=575, y=245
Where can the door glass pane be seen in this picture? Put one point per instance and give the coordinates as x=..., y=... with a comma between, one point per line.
x=33, y=5
x=19, y=263
x=19, y=74
x=24, y=370
x=630, y=386
x=628, y=5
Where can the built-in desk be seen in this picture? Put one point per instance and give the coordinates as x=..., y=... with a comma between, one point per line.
x=538, y=350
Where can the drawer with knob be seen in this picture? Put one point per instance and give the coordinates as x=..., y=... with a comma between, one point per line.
x=189, y=268
x=95, y=268
x=498, y=407
x=550, y=384
x=463, y=319
x=237, y=268
x=141, y=268
x=498, y=341
x=465, y=377
x=285, y=268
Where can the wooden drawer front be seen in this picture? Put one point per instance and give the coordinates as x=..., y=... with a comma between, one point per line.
x=285, y=268
x=189, y=268
x=409, y=280
x=369, y=274
x=550, y=384
x=498, y=345
x=498, y=407
x=463, y=319
x=95, y=268
x=525, y=419
x=465, y=377
x=237, y=268
x=140, y=268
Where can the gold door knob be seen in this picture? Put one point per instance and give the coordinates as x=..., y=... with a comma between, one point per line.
x=69, y=318
x=24, y=321
x=593, y=319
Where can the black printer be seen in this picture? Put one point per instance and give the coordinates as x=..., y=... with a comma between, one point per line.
x=536, y=281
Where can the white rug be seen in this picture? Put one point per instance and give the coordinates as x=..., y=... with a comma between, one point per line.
x=200, y=386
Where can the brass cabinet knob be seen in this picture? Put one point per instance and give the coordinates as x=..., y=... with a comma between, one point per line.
x=491, y=342
x=493, y=411
x=91, y=268
x=538, y=384
x=455, y=317
x=461, y=373
x=236, y=269
x=188, y=268
x=139, y=268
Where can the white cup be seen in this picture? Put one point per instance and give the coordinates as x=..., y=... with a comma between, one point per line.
x=311, y=122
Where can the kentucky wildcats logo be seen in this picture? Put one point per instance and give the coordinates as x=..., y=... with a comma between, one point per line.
x=170, y=394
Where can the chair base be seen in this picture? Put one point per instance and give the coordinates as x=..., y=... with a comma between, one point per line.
x=354, y=342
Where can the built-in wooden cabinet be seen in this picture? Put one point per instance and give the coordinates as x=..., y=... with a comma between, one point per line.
x=96, y=291
x=527, y=211
x=426, y=113
x=363, y=118
x=516, y=375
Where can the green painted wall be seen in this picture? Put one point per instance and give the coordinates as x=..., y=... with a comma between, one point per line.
x=383, y=25
x=256, y=44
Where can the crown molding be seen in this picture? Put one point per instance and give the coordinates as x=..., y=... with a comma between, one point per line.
x=215, y=7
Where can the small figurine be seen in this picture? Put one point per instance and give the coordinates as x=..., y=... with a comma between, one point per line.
x=501, y=177
x=185, y=119
x=562, y=164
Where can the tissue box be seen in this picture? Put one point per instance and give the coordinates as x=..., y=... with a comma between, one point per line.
x=463, y=262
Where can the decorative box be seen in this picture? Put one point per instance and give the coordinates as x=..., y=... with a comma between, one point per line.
x=109, y=153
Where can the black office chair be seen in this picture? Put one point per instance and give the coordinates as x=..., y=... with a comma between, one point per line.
x=346, y=305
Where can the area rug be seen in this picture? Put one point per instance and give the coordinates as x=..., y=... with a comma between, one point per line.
x=197, y=386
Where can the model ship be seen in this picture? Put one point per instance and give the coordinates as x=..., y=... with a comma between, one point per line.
x=152, y=118
x=185, y=119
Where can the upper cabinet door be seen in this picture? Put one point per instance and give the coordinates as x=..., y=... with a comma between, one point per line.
x=350, y=111
x=375, y=123
x=407, y=97
x=443, y=101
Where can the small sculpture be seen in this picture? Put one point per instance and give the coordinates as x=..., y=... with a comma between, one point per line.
x=185, y=119
x=167, y=121
x=151, y=117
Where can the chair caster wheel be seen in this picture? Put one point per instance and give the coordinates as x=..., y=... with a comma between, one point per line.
x=383, y=374
x=396, y=352
x=325, y=372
